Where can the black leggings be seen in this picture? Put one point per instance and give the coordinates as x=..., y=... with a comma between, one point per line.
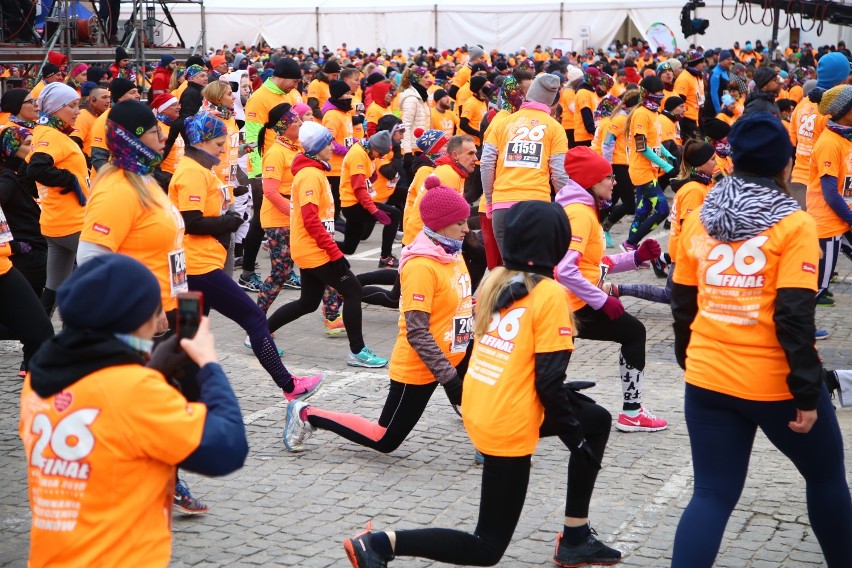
x=403, y=408
x=22, y=316
x=254, y=236
x=625, y=197
x=33, y=266
x=359, y=222
x=625, y=330
x=504, y=489
x=314, y=281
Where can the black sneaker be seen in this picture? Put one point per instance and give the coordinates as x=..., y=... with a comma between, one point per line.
x=659, y=267
x=361, y=553
x=389, y=262
x=250, y=284
x=824, y=299
x=591, y=552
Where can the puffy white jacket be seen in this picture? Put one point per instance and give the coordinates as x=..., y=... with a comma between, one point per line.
x=415, y=114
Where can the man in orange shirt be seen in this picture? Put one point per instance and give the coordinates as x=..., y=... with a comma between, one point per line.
x=690, y=87
x=97, y=102
x=104, y=433
x=443, y=117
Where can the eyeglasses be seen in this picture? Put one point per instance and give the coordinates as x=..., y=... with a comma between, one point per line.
x=33, y=102
x=610, y=177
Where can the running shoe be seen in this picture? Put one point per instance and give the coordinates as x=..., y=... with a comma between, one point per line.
x=659, y=267
x=366, y=358
x=304, y=387
x=824, y=300
x=609, y=242
x=265, y=244
x=184, y=501
x=250, y=284
x=822, y=334
x=591, y=552
x=478, y=458
x=398, y=237
x=247, y=343
x=293, y=283
x=643, y=422
x=335, y=326
x=627, y=246
x=834, y=277
x=360, y=551
x=296, y=430
x=389, y=262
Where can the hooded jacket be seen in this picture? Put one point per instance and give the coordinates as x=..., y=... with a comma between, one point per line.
x=568, y=271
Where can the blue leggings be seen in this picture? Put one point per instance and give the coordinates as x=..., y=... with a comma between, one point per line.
x=721, y=434
x=651, y=209
x=222, y=294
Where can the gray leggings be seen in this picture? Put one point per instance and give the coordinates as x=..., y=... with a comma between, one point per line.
x=498, y=224
x=61, y=252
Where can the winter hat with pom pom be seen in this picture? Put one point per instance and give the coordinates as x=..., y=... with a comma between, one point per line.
x=431, y=142
x=442, y=206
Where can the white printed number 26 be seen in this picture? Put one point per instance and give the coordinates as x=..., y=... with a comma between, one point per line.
x=747, y=260
x=74, y=428
x=535, y=133
x=509, y=325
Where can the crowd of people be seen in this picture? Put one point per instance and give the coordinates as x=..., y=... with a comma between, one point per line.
x=502, y=176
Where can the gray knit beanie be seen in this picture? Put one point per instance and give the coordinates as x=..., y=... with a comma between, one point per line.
x=544, y=89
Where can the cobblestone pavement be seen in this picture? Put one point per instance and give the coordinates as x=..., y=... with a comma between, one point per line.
x=287, y=509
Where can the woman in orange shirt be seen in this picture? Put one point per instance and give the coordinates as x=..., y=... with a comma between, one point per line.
x=435, y=329
x=514, y=394
x=59, y=169
x=197, y=193
x=743, y=305
x=624, y=197
x=22, y=108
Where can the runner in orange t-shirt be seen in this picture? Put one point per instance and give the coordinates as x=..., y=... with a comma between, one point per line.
x=198, y=194
x=313, y=248
x=103, y=433
x=743, y=305
x=435, y=333
x=624, y=197
x=513, y=394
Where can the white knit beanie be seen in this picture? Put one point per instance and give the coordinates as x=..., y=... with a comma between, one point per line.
x=55, y=96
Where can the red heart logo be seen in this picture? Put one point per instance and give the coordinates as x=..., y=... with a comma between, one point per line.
x=62, y=401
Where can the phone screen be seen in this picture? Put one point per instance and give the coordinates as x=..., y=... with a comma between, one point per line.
x=189, y=314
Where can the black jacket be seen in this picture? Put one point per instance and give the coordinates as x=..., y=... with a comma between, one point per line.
x=17, y=198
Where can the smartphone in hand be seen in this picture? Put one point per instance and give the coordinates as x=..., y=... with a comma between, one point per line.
x=190, y=310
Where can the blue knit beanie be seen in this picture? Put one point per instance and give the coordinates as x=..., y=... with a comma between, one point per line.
x=832, y=69
x=314, y=137
x=112, y=293
x=757, y=142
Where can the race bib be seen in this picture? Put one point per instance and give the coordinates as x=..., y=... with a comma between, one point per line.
x=370, y=189
x=523, y=154
x=392, y=182
x=5, y=230
x=847, y=190
x=462, y=333
x=329, y=227
x=604, y=271
x=177, y=273
x=226, y=197
x=349, y=141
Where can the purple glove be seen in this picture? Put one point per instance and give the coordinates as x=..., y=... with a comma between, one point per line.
x=382, y=217
x=648, y=250
x=613, y=308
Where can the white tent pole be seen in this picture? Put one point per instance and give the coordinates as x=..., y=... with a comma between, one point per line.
x=561, y=19
x=318, y=27
x=435, y=12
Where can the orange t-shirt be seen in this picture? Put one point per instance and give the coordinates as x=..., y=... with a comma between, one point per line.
x=474, y=111
x=226, y=170
x=5, y=253
x=61, y=215
x=320, y=91
x=832, y=156
x=669, y=130
x=339, y=123
x=688, y=198
x=796, y=93
x=600, y=133
x=383, y=187
x=355, y=162
x=101, y=459
x=583, y=99
x=643, y=123
x=310, y=185
x=196, y=188
x=462, y=77
x=83, y=129
x=587, y=239
x=806, y=124
x=117, y=220
x=410, y=226
x=500, y=406
x=463, y=96
x=170, y=162
x=617, y=126
x=691, y=90
x=737, y=288
x=525, y=141
x=375, y=112
x=566, y=101
x=447, y=121
x=444, y=291
x=277, y=160
x=97, y=134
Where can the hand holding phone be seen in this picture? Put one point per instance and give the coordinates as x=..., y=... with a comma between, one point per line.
x=190, y=311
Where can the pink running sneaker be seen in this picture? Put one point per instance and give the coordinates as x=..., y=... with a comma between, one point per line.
x=643, y=422
x=304, y=387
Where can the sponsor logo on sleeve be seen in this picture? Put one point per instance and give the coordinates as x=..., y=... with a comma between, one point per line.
x=101, y=228
x=418, y=297
x=576, y=239
x=565, y=331
x=808, y=267
x=270, y=168
x=309, y=192
x=196, y=198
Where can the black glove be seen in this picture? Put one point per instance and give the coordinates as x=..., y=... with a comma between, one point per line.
x=340, y=266
x=408, y=162
x=234, y=220
x=240, y=190
x=75, y=187
x=169, y=358
x=453, y=390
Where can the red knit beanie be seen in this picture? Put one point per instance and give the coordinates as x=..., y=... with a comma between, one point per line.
x=442, y=206
x=585, y=166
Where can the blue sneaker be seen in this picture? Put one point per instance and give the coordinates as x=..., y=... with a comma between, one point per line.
x=247, y=343
x=609, y=242
x=250, y=284
x=822, y=334
x=293, y=283
x=366, y=358
x=478, y=458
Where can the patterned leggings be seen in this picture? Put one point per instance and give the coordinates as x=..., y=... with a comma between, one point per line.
x=651, y=209
x=282, y=269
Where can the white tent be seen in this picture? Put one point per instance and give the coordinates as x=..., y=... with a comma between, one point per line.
x=501, y=24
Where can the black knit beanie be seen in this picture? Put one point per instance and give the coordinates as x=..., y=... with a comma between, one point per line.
x=13, y=100
x=134, y=116
x=536, y=238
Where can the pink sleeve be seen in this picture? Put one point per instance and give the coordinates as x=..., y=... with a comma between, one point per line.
x=270, y=192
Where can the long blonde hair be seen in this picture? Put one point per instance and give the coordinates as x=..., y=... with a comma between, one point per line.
x=490, y=290
x=136, y=182
x=215, y=90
